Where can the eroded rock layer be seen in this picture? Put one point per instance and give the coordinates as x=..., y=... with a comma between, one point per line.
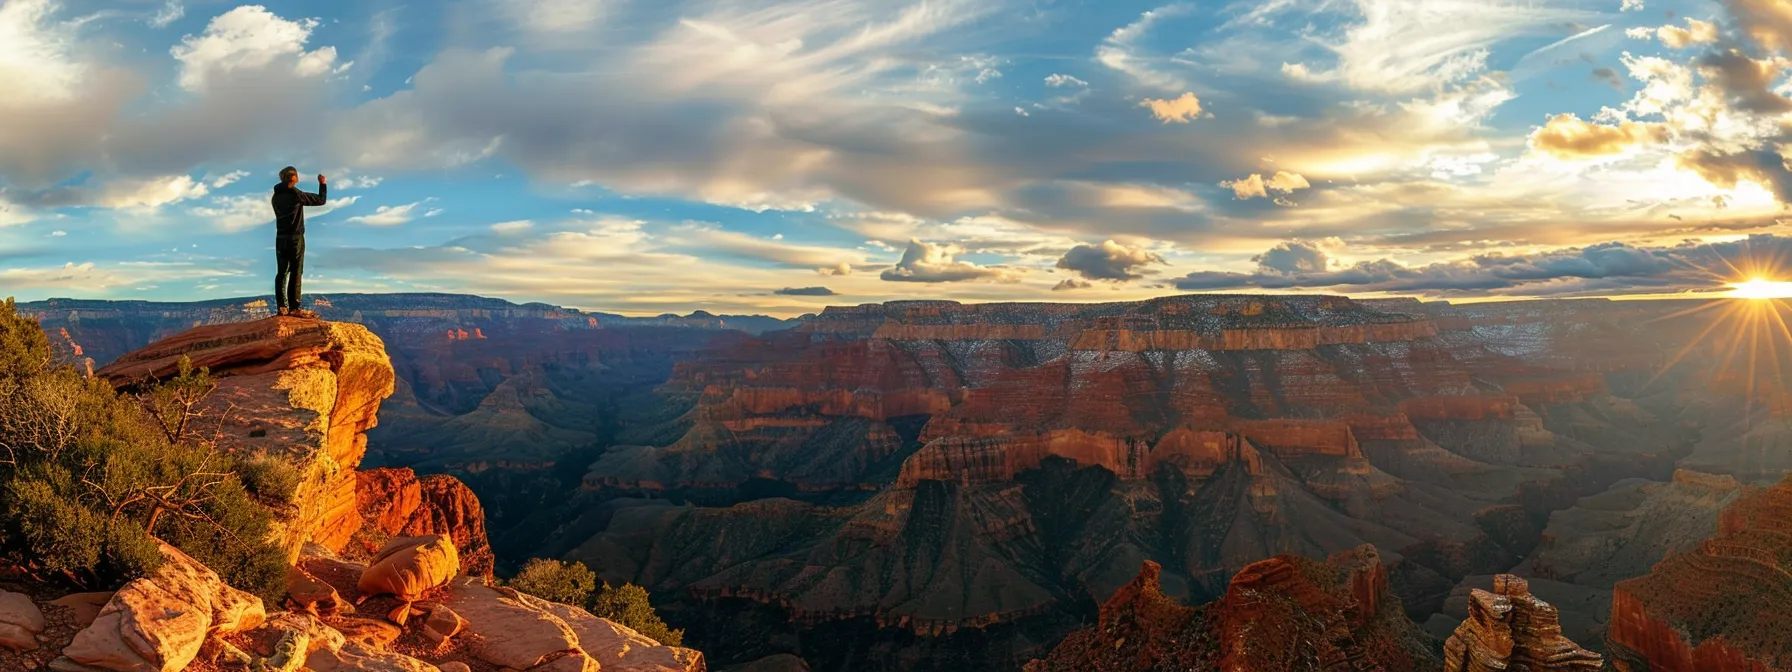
x=1717, y=608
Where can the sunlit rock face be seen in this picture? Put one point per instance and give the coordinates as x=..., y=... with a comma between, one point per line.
x=1508, y=628
x=305, y=391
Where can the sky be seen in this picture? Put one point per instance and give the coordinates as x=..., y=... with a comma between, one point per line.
x=750, y=156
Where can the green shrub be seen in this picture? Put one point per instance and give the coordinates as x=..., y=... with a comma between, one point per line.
x=556, y=581
x=629, y=606
x=268, y=478
x=89, y=478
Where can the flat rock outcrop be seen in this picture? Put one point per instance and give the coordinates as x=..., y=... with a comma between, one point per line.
x=1719, y=607
x=1509, y=628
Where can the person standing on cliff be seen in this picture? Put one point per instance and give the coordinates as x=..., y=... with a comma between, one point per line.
x=289, y=238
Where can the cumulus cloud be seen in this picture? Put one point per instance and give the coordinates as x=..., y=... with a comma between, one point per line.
x=228, y=179
x=1566, y=136
x=394, y=215
x=1255, y=186
x=928, y=262
x=806, y=291
x=247, y=38
x=1179, y=110
x=1069, y=284
x=1298, y=256
x=1630, y=6
x=1108, y=261
x=1695, y=32
x=1059, y=80
x=1606, y=268
x=1767, y=22
x=1745, y=83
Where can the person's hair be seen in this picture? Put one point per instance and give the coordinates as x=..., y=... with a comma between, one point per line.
x=288, y=173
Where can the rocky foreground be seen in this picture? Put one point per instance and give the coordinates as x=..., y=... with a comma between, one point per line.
x=389, y=571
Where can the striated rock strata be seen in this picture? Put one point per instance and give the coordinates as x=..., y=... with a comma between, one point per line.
x=1720, y=607
x=1509, y=629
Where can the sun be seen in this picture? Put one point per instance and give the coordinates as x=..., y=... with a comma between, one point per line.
x=1761, y=288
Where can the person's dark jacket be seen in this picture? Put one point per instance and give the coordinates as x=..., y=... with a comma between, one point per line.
x=289, y=217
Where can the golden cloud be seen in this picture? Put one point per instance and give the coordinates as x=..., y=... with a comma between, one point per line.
x=1567, y=137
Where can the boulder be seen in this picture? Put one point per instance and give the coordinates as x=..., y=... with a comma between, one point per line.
x=84, y=607
x=158, y=623
x=512, y=631
x=313, y=595
x=20, y=621
x=368, y=632
x=407, y=568
x=442, y=623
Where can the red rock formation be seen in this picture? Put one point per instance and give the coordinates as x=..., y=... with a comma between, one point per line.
x=1511, y=629
x=395, y=503
x=305, y=390
x=1284, y=613
x=308, y=390
x=1719, y=608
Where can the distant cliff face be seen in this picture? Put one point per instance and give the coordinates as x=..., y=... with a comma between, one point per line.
x=1719, y=607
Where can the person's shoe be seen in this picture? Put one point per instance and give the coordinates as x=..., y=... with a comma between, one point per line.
x=303, y=314
x=283, y=312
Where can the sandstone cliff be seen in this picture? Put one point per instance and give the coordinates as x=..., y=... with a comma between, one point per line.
x=306, y=392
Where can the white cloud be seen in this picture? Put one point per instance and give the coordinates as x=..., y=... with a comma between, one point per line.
x=150, y=193
x=1631, y=6
x=247, y=38
x=393, y=215
x=1407, y=46
x=929, y=262
x=1179, y=110
x=1057, y=80
x=237, y=213
x=37, y=55
x=516, y=226
x=362, y=182
x=227, y=179
x=554, y=17
x=1121, y=51
x=1255, y=186
x=169, y=13
x=58, y=233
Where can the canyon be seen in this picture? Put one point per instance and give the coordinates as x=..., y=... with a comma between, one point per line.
x=933, y=485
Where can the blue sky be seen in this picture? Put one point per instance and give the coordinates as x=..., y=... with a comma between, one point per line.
x=776, y=157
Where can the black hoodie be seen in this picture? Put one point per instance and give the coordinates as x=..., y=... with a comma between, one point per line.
x=289, y=211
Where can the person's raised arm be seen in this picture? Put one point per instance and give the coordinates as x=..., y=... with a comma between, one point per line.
x=323, y=191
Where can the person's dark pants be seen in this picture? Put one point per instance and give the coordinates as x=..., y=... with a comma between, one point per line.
x=290, y=254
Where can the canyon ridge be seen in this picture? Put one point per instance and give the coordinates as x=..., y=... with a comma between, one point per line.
x=1194, y=482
